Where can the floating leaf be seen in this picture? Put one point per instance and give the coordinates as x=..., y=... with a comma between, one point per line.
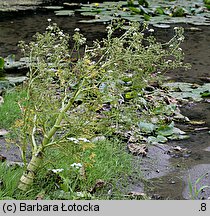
x=90, y=14
x=64, y=13
x=161, y=25
x=53, y=7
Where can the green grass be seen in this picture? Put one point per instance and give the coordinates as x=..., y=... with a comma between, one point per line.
x=111, y=164
x=9, y=178
x=9, y=110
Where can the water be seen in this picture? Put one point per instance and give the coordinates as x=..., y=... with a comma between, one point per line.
x=173, y=183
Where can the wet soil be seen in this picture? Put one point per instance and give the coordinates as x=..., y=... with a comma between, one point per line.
x=168, y=176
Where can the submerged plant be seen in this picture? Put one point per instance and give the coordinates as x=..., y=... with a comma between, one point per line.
x=67, y=92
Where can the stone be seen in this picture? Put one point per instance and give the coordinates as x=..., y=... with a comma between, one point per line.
x=3, y=132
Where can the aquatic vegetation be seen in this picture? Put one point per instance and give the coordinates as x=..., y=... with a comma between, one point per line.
x=154, y=12
x=188, y=91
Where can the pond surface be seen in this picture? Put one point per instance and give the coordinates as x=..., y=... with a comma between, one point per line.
x=169, y=180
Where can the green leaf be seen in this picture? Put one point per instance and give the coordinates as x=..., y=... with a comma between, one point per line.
x=1, y=63
x=166, y=130
x=146, y=17
x=158, y=139
x=162, y=139
x=64, y=13
x=205, y=94
x=206, y=1
x=159, y=10
x=130, y=95
x=147, y=127
x=136, y=10
x=179, y=12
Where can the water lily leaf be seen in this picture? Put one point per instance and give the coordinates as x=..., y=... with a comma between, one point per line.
x=64, y=13
x=91, y=14
x=166, y=130
x=99, y=19
x=161, y=25
x=147, y=127
x=168, y=109
x=133, y=18
x=179, y=12
x=53, y=7
x=178, y=86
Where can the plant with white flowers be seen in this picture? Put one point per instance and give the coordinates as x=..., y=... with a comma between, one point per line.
x=63, y=94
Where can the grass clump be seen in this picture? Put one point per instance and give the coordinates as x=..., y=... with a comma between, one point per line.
x=10, y=110
x=97, y=176
x=9, y=179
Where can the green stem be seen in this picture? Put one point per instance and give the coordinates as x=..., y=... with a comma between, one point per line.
x=28, y=176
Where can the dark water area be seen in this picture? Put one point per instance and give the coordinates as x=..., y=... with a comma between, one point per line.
x=173, y=184
x=22, y=26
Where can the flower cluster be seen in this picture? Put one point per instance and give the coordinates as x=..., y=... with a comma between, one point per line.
x=78, y=140
x=76, y=165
